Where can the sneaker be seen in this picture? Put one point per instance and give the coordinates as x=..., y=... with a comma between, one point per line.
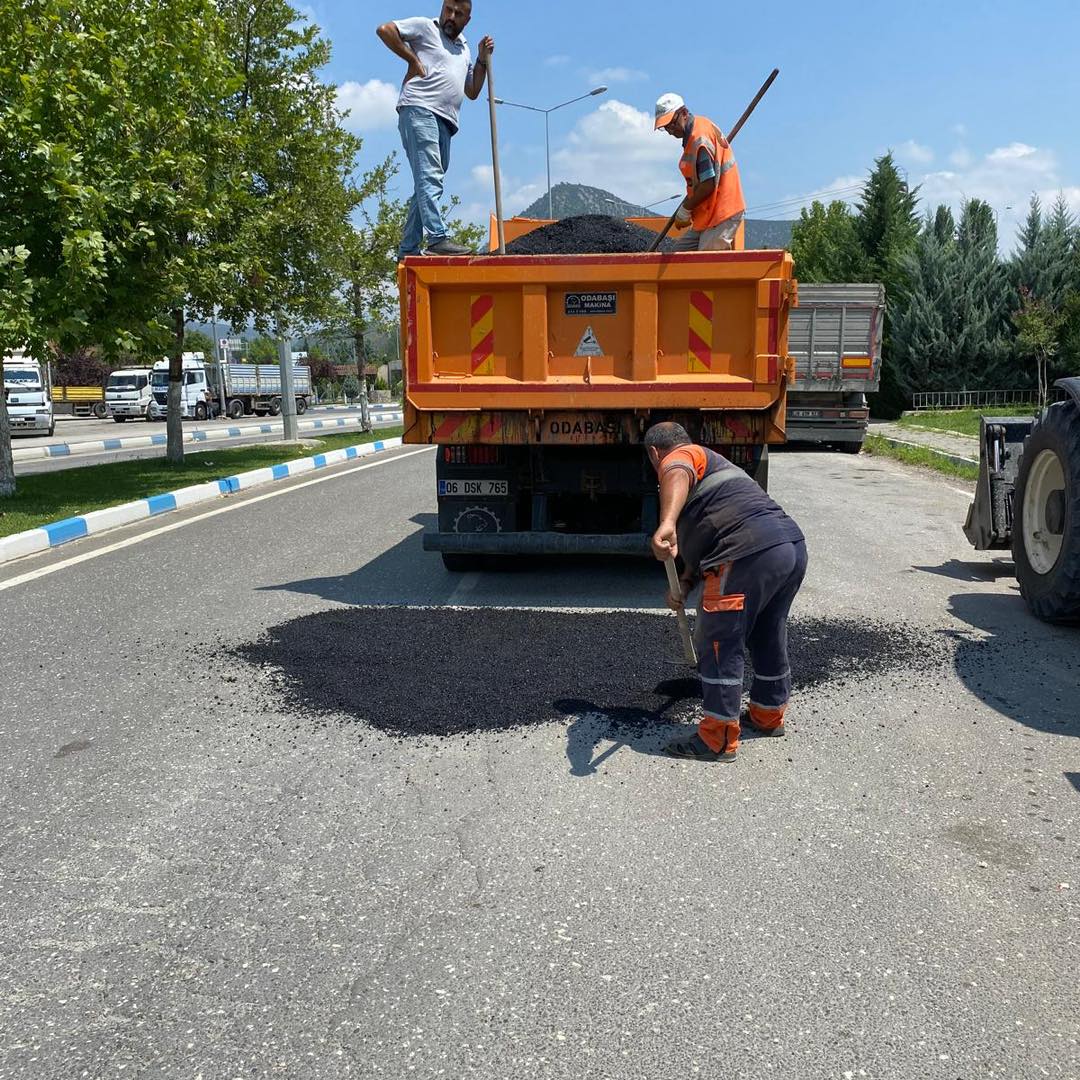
x=448, y=247
x=697, y=749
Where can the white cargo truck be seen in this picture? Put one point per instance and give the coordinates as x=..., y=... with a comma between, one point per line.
x=128, y=394
x=28, y=397
x=247, y=389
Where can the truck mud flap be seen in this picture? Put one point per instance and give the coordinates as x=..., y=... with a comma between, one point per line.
x=538, y=543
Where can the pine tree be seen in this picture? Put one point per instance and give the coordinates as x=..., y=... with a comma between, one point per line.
x=943, y=224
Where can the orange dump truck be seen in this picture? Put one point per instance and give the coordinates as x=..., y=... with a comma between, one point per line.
x=537, y=376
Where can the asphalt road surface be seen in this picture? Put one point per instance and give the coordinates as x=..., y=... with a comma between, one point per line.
x=272, y=804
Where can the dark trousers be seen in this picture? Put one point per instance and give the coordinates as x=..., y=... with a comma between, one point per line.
x=744, y=606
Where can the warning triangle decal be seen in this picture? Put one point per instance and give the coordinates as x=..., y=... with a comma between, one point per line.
x=588, y=345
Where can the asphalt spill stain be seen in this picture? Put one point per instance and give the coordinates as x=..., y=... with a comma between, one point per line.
x=439, y=671
x=72, y=748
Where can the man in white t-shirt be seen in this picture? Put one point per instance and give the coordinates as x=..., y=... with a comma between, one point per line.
x=441, y=73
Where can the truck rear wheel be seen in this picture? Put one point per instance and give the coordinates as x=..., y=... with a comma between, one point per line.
x=236, y=408
x=1046, y=516
x=301, y=406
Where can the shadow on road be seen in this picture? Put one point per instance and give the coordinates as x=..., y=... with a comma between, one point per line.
x=963, y=570
x=406, y=574
x=1025, y=669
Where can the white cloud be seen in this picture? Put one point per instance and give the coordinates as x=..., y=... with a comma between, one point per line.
x=615, y=148
x=611, y=75
x=556, y=61
x=1006, y=178
x=961, y=157
x=371, y=105
x=913, y=151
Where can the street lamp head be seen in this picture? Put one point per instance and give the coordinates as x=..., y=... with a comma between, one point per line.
x=598, y=90
x=499, y=101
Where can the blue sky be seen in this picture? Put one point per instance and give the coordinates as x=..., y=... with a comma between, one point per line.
x=975, y=98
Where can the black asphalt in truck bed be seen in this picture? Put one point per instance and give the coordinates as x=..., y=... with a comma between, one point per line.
x=589, y=234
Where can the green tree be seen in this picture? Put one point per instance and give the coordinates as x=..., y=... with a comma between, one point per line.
x=825, y=245
x=289, y=239
x=108, y=170
x=887, y=225
x=1038, y=325
x=197, y=341
x=262, y=350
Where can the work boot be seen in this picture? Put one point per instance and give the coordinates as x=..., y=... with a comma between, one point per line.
x=448, y=247
x=697, y=749
x=764, y=721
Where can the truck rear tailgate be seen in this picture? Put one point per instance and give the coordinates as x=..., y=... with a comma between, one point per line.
x=580, y=333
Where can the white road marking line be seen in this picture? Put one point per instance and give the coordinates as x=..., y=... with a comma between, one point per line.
x=45, y=571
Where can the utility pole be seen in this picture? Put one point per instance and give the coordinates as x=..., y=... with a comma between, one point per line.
x=288, y=389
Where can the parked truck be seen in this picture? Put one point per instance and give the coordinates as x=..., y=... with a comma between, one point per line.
x=835, y=337
x=128, y=394
x=537, y=376
x=84, y=401
x=243, y=389
x=26, y=391
x=1028, y=500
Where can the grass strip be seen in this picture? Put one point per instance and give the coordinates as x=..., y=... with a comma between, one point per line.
x=960, y=421
x=921, y=456
x=45, y=497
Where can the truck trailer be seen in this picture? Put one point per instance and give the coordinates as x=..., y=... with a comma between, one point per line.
x=537, y=376
x=835, y=337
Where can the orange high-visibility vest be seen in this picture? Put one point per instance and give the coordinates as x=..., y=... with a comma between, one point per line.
x=727, y=198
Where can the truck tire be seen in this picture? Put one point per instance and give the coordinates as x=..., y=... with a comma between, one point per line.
x=200, y=410
x=101, y=410
x=1046, y=516
x=458, y=563
x=235, y=409
x=301, y=406
x=848, y=447
x=275, y=406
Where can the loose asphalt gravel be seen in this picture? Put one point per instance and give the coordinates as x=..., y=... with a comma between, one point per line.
x=587, y=234
x=233, y=844
x=617, y=664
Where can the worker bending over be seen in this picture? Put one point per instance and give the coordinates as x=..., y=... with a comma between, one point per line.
x=751, y=558
x=714, y=204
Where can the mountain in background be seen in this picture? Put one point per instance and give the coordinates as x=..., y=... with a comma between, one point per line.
x=573, y=200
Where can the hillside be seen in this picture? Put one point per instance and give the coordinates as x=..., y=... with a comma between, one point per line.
x=573, y=200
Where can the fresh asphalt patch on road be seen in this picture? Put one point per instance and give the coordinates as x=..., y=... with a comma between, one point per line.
x=445, y=671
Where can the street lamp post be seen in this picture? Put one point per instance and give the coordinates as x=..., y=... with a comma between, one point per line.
x=547, y=129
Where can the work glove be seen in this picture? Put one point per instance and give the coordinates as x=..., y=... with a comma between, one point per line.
x=682, y=217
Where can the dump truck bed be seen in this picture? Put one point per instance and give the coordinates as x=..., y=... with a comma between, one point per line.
x=696, y=331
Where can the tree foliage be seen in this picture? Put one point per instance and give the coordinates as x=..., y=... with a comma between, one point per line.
x=825, y=244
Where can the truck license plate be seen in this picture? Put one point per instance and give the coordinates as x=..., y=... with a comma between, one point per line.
x=803, y=414
x=474, y=488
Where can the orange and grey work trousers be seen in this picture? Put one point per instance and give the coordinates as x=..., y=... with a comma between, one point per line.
x=744, y=606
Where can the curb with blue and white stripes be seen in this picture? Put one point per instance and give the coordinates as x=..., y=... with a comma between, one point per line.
x=139, y=442
x=97, y=521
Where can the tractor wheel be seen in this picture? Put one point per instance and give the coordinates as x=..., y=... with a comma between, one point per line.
x=1046, y=516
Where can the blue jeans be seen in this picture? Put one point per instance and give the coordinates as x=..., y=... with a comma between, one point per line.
x=426, y=138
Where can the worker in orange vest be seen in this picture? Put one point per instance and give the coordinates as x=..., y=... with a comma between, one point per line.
x=714, y=204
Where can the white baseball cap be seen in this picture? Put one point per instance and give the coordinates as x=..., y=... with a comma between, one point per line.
x=667, y=105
